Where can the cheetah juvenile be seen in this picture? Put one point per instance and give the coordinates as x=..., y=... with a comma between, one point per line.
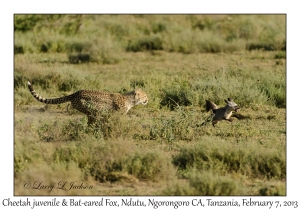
x=223, y=113
x=91, y=102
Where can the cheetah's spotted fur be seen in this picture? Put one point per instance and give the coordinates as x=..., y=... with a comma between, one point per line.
x=91, y=102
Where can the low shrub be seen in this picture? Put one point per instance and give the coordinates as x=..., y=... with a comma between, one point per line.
x=261, y=46
x=150, y=166
x=158, y=27
x=26, y=22
x=204, y=183
x=248, y=161
x=77, y=46
x=110, y=163
x=273, y=190
x=180, y=126
x=280, y=55
x=18, y=49
x=175, y=95
x=144, y=44
x=137, y=83
x=79, y=58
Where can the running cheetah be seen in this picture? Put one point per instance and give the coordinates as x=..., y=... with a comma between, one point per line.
x=223, y=113
x=91, y=102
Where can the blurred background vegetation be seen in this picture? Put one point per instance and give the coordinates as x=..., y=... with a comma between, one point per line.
x=100, y=36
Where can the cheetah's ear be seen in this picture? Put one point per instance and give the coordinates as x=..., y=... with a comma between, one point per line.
x=226, y=101
x=229, y=99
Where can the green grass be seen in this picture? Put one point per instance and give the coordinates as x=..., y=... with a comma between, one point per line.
x=158, y=149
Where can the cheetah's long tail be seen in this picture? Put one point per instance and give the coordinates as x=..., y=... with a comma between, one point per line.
x=47, y=100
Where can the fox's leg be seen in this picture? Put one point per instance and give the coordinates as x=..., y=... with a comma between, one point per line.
x=227, y=118
x=91, y=119
x=230, y=120
x=236, y=116
x=214, y=122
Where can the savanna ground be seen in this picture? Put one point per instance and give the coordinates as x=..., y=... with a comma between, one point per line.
x=157, y=149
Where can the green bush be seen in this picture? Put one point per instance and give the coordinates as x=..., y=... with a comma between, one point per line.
x=19, y=79
x=137, y=83
x=176, y=95
x=26, y=22
x=71, y=28
x=281, y=54
x=158, y=27
x=174, y=128
x=18, y=49
x=77, y=130
x=248, y=161
x=44, y=47
x=274, y=87
x=203, y=23
x=79, y=58
x=261, y=46
x=117, y=29
x=273, y=190
x=208, y=184
x=149, y=166
x=204, y=183
x=109, y=164
x=145, y=43
x=77, y=46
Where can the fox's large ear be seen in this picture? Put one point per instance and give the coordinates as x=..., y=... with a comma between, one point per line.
x=229, y=99
x=226, y=101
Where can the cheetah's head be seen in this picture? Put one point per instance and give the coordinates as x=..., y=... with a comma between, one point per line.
x=140, y=97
